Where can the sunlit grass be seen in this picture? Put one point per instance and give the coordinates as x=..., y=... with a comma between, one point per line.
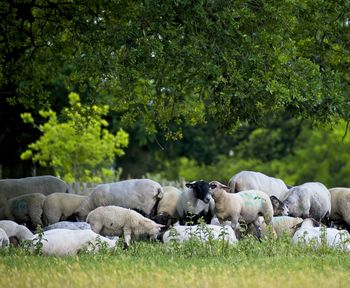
x=272, y=263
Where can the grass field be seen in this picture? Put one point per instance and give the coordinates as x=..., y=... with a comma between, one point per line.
x=271, y=263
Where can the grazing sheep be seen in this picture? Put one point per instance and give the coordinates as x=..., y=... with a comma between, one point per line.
x=195, y=202
x=15, y=232
x=10, y=188
x=60, y=206
x=167, y=212
x=62, y=242
x=4, y=239
x=247, y=205
x=310, y=232
x=114, y=220
x=309, y=200
x=24, y=209
x=250, y=180
x=340, y=203
x=141, y=195
x=68, y=225
x=203, y=233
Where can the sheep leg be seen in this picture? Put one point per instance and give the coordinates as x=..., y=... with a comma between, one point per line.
x=127, y=237
x=258, y=228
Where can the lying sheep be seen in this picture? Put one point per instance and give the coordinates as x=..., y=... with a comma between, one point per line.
x=114, y=220
x=25, y=209
x=310, y=232
x=141, y=195
x=309, y=200
x=68, y=225
x=166, y=211
x=62, y=242
x=340, y=203
x=195, y=202
x=203, y=233
x=60, y=206
x=250, y=180
x=4, y=239
x=15, y=232
x=247, y=205
x=46, y=185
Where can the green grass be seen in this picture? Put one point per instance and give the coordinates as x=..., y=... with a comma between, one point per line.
x=272, y=263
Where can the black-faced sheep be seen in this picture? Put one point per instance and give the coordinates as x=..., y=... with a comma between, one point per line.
x=309, y=200
x=250, y=180
x=24, y=209
x=247, y=205
x=195, y=202
x=203, y=233
x=118, y=221
x=60, y=206
x=141, y=195
x=310, y=233
x=62, y=242
x=340, y=207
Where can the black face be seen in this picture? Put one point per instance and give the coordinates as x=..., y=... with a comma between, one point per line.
x=201, y=190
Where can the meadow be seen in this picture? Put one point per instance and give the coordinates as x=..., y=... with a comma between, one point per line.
x=249, y=263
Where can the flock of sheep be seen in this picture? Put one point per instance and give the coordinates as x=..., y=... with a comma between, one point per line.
x=142, y=208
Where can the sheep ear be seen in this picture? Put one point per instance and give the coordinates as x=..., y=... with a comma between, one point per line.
x=226, y=188
x=190, y=185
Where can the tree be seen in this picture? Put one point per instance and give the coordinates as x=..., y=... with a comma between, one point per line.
x=77, y=152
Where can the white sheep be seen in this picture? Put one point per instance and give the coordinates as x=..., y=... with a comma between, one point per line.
x=309, y=200
x=26, y=209
x=114, y=220
x=60, y=206
x=340, y=199
x=166, y=210
x=62, y=242
x=246, y=205
x=250, y=180
x=68, y=225
x=4, y=239
x=141, y=195
x=15, y=232
x=310, y=233
x=203, y=233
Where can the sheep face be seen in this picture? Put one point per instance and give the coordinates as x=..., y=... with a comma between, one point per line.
x=200, y=190
x=278, y=208
x=217, y=189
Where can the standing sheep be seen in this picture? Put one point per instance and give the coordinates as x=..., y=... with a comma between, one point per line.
x=340, y=203
x=15, y=232
x=167, y=212
x=195, y=202
x=250, y=180
x=62, y=242
x=25, y=209
x=309, y=200
x=60, y=206
x=114, y=220
x=141, y=195
x=310, y=232
x=248, y=205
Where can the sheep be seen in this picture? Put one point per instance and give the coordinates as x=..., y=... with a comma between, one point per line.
x=15, y=232
x=68, y=225
x=340, y=205
x=310, y=232
x=141, y=195
x=309, y=200
x=166, y=211
x=62, y=242
x=195, y=202
x=203, y=233
x=24, y=209
x=250, y=180
x=60, y=206
x=4, y=239
x=247, y=205
x=114, y=220
x=46, y=185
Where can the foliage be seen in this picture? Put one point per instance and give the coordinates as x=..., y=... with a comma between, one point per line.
x=77, y=150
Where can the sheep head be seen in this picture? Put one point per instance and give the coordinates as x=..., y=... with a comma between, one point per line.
x=216, y=189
